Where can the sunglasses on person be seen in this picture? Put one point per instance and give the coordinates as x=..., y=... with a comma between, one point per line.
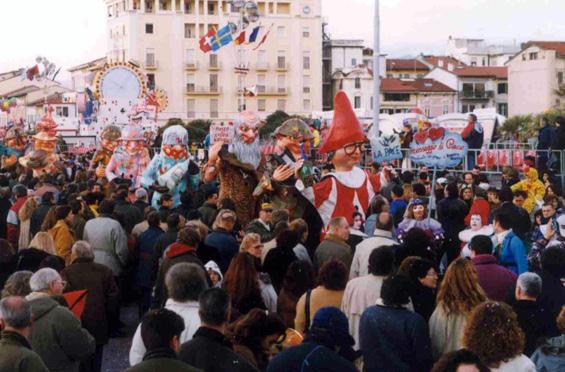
x=352, y=147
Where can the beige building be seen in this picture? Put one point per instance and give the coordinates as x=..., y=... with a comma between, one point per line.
x=163, y=36
x=533, y=76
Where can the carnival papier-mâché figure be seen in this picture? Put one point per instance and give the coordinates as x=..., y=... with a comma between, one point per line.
x=170, y=170
x=109, y=141
x=348, y=189
x=14, y=146
x=477, y=226
x=131, y=158
x=43, y=158
x=239, y=166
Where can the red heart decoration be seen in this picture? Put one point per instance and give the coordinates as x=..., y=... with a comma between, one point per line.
x=436, y=133
x=420, y=137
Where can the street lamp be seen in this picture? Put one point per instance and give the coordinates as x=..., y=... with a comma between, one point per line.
x=248, y=13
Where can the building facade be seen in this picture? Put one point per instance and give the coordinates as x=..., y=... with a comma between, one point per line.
x=163, y=35
x=406, y=68
x=477, y=52
x=534, y=75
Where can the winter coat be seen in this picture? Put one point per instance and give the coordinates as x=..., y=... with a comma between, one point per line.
x=141, y=205
x=276, y=264
x=257, y=227
x=144, y=249
x=189, y=313
x=332, y=248
x=495, y=280
x=313, y=356
x=512, y=254
x=13, y=222
x=451, y=214
x=102, y=297
x=319, y=297
x=536, y=322
x=109, y=242
x=473, y=134
x=37, y=218
x=31, y=258
x=397, y=209
x=208, y=212
x=163, y=242
x=360, y=261
x=5, y=205
x=211, y=351
x=63, y=239
x=226, y=245
x=394, y=339
x=551, y=355
x=129, y=213
x=423, y=299
x=545, y=136
x=176, y=253
x=16, y=354
x=446, y=331
x=57, y=335
x=162, y=359
x=552, y=297
x=359, y=294
x=520, y=221
x=286, y=307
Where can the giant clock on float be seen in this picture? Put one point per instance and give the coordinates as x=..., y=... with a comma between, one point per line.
x=120, y=81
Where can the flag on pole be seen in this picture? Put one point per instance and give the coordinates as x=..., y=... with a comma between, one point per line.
x=264, y=38
x=253, y=35
x=251, y=91
x=205, y=41
x=223, y=37
x=240, y=39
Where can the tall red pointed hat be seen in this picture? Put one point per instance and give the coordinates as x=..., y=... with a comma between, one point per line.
x=345, y=128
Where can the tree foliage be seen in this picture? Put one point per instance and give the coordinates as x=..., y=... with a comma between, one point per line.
x=198, y=130
x=273, y=122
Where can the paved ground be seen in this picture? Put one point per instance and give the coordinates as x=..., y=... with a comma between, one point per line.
x=116, y=353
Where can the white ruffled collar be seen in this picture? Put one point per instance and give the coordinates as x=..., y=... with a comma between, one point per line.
x=352, y=179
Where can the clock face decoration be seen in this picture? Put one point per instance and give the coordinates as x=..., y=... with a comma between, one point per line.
x=306, y=9
x=120, y=81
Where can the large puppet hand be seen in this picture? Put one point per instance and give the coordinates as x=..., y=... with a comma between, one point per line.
x=282, y=173
x=214, y=151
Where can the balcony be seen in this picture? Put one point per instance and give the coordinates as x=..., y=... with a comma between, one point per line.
x=271, y=91
x=282, y=66
x=475, y=94
x=262, y=66
x=197, y=90
x=191, y=65
x=214, y=65
x=151, y=65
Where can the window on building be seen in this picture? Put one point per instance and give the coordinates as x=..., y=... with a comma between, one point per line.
x=357, y=83
x=261, y=80
x=214, y=86
x=190, y=86
x=189, y=30
x=397, y=97
x=214, y=60
x=240, y=82
x=281, y=105
x=523, y=56
x=281, y=31
x=188, y=7
x=306, y=105
x=357, y=102
x=150, y=57
x=214, y=108
x=281, y=60
x=502, y=88
x=149, y=28
x=271, y=8
x=190, y=56
x=306, y=62
x=473, y=63
x=484, y=62
x=445, y=108
x=191, y=108
x=306, y=32
x=503, y=109
x=372, y=103
x=151, y=81
x=62, y=111
x=533, y=56
x=211, y=8
x=283, y=8
x=261, y=56
x=560, y=77
x=427, y=111
x=281, y=83
x=353, y=61
x=306, y=84
x=261, y=105
x=110, y=11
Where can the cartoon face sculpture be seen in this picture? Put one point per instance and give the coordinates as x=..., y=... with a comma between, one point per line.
x=292, y=135
x=15, y=139
x=248, y=125
x=476, y=222
x=132, y=140
x=175, y=142
x=42, y=141
x=110, y=138
x=349, y=155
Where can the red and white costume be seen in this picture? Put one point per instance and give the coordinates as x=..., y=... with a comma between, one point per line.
x=339, y=193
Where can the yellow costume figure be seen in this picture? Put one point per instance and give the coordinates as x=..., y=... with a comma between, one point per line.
x=533, y=186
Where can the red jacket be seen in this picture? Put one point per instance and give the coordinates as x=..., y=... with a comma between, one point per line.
x=13, y=226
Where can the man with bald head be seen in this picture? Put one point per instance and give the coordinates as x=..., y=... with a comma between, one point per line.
x=382, y=237
x=16, y=354
x=334, y=246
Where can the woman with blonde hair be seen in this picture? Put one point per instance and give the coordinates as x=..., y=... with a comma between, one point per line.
x=458, y=294
x=25, y=220
x=493, y=333
x=40, y=248
x=251, y=244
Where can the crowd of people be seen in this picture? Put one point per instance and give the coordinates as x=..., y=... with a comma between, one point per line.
x=471, y=276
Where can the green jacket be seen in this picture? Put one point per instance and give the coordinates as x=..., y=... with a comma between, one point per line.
x=257, y=227
x=163, y=359
x=16, y=355
x=57, y=335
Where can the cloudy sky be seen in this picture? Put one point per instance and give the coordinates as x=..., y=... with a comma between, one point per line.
x=70, y=32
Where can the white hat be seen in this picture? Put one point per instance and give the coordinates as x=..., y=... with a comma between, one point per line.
x=442, y=181
x=140, y=193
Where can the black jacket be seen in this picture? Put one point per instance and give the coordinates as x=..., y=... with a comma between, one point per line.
x=536, y=322
x=141, y=205
x=163, y=359
x=130, y=214
x=451, y=213
x=276, y=264
x=31, y=259
x=5, y=206
x=423, y=299
x=317, y=357
x=37, y=217
x=211, y=351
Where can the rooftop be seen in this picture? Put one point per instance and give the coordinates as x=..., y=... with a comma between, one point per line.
x=558, y=46
x=443, y=61
x=88, y=65
x=482, y=71
x=405, y=64
x=393, y=85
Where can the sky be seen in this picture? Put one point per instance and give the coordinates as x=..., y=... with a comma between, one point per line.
x=70, y=32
